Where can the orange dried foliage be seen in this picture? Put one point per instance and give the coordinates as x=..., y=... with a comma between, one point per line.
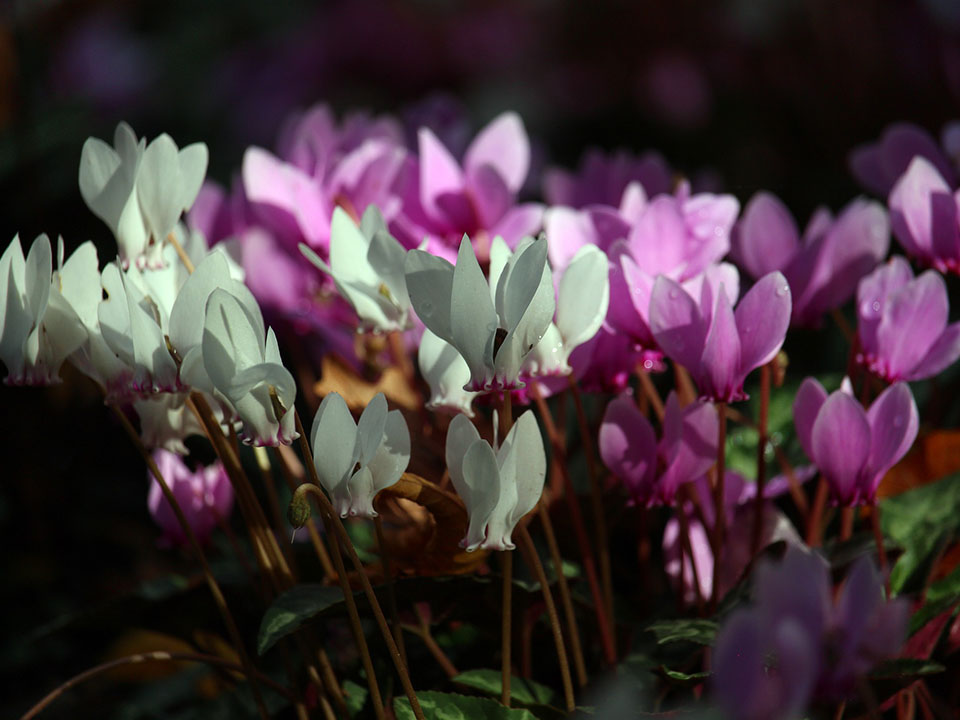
x=934, y=455
x=337, y=376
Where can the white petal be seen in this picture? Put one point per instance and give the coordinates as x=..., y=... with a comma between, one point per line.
x=393, y=454
x=333, y=440
x=230, y=341
x=370, y=428
x=158, y=187
x=430, y=284
x=348, y=251
x=193, y=168
x=481, y=481
x=446, y=372
x=15, y=316
x=80, y=282
x=500, y=255
x=114, y=316
x=361, y=491
x=584, y=296
x=386, y=256
x=473, y=321
x=211, y=273
x=37, y=272
x=461, y=434
x=522, y=461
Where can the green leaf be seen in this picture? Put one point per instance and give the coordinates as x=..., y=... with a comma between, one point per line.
x=355, y=696
x=521, y=690
x=900, y=668
x=920, y=521
x=684, y=678
x=450, y=706
x=698, y=631
x=293, y=608
x=941, y=596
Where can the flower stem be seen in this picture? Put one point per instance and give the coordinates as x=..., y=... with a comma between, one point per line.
x=596, y=500
x=847, y=515
x=761, y=459
x=335, y=526
x=423, y=632
x=816, y=513
x=147, y=657
x=650, y=391
x=215, y=590
x=573, y=630
x=720, y=515
x=391, y=590
x=586, y=554
x=506, y=413
x=506, y=612
x=181, y=253
x=530, y=554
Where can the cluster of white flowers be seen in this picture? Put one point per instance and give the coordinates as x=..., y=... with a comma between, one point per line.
x=144, y=328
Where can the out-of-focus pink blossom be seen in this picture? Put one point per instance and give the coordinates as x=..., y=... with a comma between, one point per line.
x=902, y=323
x=205, y=496
x=824, y=267
x=877, y=166
x=923, y=213
x=602, y=178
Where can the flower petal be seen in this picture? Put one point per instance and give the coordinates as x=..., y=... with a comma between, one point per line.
x=676, y=323
x=393, y=454
x=430, y=284
x=370, y=428
x=473, y=320
x=766, y=238
x=628, y=447
x=333, y=440
x=941, y=355
x=583, y=297
x=719, y=375
x=763, y=317
x=840, y=440
x=502, y=145
x=806, y=405
x=481, y=482
x=913, y=320
x=894, y=422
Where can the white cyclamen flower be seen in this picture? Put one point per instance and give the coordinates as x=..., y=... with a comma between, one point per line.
x=355, y=461
x=446, y=372
x=140, y=190
x=39, y=326
x=498, y=485
x=165, y=421
x=366, y=264
x=583, y=296
x=244, y=368
x=494, y=327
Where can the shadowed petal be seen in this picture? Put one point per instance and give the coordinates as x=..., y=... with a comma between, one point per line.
x=940, y=356
x=676, y=323
x=503, y=146
x=912, y=322
x=628, y=447
x=719, y=375
x=841, y=441
x=894, y=423
x=763, y=316
x=806, y=405
x=766, y=238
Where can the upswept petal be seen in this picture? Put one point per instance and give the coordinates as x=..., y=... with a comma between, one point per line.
x=461, y=434
x=430, y=284
x=473, y=320
x=693, y=451
x=440, y=175
x=706, y=286
x=502, y=145
x=333, y=441
x=583, y=297
x=522, y=455
x=446, y=372
x=348, y=251
x=913, y=320
x=676, y=323
x=872, y=294
x=941, y=355
x=230, y=339
x=658, y=242
x=482, y=482
x=806, y=406
x=894, y=422
x=910, y=206
x=370, y=428
x=719, y=374
x=763, y=316
x=766, y=238
x=628, y=447
x=568, y=230
x=840, y=440
x=159, y=187
x=212, y=272
x=393, y=454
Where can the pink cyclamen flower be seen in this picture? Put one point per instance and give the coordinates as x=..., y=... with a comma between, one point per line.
x=442, y=200
x=853, y=447
x=902, y=323
x=924, y=216
x=878, y=165
x=602, y=178
x=823, y=267
x=205, y=496
x=720, y=346
x=653, y=471
x=796, y=644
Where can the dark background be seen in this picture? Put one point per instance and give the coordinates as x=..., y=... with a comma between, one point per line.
x=753, y=94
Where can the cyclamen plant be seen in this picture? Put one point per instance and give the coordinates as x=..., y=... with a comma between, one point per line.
x=392, y=253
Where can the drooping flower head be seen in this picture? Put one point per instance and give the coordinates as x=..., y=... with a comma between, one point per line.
x=205, y=495
x=499, y=485
x=852, y=447
x=824, y=267
x=902, y=323
x=493, y=326
x=720, y=346
x=140, y=190
x=356, y=460
x=651, y=470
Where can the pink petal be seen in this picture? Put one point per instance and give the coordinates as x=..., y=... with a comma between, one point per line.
x=719, y=377
x=865, y=165
x=503, y=146
x=658, y=240
x=940, y=356
x=567, y=230
x=912, y=322
x=490, y=194
x=766, y=238
x=873, y=293
x=910, y=206
x=519, y=222
x=628, y=446
x=841, y=440
x=903, y=142
x=763, y=316
x=806, y=405
x=676, y=323
x=439, y=174
x=894, y=423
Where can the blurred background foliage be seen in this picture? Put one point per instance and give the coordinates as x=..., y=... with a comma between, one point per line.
x=741, y=94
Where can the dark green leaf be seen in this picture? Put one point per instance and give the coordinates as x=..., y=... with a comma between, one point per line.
x=450, y=706
x=521, y=690
x=905, y=668
x=355, y=696
x=698, y=631
x=293, y=608
x=941, y=596
x=920, y=521
x=684, y=678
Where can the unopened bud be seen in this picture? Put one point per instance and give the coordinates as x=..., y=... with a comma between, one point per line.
x=298, y=512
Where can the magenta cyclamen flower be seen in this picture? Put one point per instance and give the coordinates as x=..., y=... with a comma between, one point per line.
x=878, y=165
x=924, y=215
x=852, y=447
x=205, y=495
x=651, y=470
x=720, y=346
x=823, y=267
x=795, y=644
x=902, y=326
